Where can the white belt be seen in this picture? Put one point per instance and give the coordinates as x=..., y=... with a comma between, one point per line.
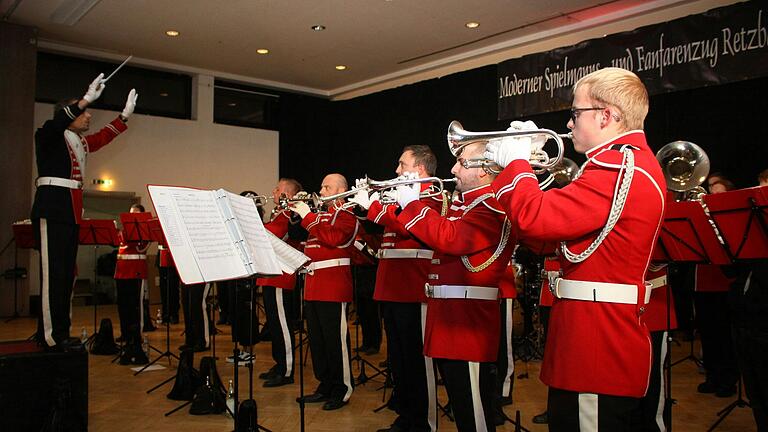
x=405, y=253
x=597, y=291
x=131, y=256
x=58, y=181
x=327, y=264
x=657, y=282
x=461, y=292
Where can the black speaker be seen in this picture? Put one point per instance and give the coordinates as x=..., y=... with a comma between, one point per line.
x=42, y=391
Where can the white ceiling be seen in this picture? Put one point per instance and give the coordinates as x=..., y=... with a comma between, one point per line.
x=378, y=40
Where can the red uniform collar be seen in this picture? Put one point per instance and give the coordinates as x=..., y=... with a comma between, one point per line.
x=476, y=192
x=633, y=137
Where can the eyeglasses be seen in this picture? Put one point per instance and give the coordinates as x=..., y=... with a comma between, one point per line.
x=576, y=111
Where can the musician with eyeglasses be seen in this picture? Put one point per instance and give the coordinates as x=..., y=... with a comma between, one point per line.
x=598, y=352
x=327, y=291
x=404, y=263
x=472, y=245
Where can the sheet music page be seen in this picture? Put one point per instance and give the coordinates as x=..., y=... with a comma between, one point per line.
x=200, y=243
x=265, y=261
x=290, y=259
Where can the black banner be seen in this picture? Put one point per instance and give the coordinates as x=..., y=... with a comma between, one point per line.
x=719, y=46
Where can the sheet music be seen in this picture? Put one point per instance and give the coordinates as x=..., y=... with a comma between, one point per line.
x=265, y=261
x=199, y=242
x=290, y=259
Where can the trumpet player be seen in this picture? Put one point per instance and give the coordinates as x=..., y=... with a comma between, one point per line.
x=327, y=290
x=598, y=353
x=404, y=263
x=277, y=291
x=472, y=245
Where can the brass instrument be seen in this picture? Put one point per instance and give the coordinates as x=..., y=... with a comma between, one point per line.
x=685, y=166
x=562, y=174
x=259, y=200
x=380, y=185
x=458, y=138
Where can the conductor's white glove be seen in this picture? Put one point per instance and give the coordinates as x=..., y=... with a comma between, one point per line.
x=130, y=104
x=94, y=89
x=362, y=199
x=407, y=194
x=301, y=208
x=505, y=150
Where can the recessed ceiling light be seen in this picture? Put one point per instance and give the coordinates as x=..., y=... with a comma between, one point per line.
x=262, y=51
x=318, y=27
x=472, y=24
x=232, y=104
x=172, y=33
x=163, y=94
x=340, y=67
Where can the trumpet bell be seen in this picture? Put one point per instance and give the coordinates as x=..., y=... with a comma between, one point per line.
x=684, y=164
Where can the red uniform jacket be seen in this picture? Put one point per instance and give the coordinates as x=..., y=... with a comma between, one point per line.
x=330, y=233
x=462, y=329
x=594, y=347
x=507, y=287
x=546, y=298
x=710, y=278
x=655, y=315
x=55, y=158
x=401, y=279
x=278, y=226
x=131, y=260
x=166, y=260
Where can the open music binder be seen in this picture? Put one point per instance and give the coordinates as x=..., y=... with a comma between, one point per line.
x=217, y=235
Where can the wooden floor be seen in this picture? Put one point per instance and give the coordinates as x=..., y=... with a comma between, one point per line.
x=119, y=400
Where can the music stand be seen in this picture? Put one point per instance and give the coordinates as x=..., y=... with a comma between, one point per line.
x=155, y=233
x=23, y=238
x=742, y=218
x=96, y=232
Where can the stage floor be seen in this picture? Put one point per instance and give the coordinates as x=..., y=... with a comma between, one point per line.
x=119, y=401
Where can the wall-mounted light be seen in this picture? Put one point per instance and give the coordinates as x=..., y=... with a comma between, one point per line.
x=103, y=182
x=172, y=33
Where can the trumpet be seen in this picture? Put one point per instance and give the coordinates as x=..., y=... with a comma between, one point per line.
x=458, y=138
x=399, y=181
x=259, y=200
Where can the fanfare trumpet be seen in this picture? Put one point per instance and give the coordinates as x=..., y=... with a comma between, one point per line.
x=259, y=200
x=458, y=138
x=381, y=185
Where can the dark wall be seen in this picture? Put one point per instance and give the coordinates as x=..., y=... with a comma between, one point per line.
x=365, y=135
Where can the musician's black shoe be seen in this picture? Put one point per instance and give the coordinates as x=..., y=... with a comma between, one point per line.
x=70, y=344
x=313, y=398
x=271, y=373
x=278, y=381
x=333, y=404
x=706, y=387
x=542, y=418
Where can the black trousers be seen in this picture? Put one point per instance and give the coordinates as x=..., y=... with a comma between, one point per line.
x=329, y=345
x=57, y=243
x=196, y=325
x=367, y=308
x=413, y=374
x=129, y=308
x=589, y=412
x=752, y=353
x=278, y=307
x=467, y=382
x=713, y=319
x=654, y=409
x=505, y=363
x=243, y=310
x=169, y=292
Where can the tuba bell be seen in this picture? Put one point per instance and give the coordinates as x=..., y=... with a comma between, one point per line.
x=685, y=166
x=561, y=174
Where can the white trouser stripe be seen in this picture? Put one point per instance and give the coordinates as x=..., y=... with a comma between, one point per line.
x=46, y=288
x=660, y=407
x=508, y=377
x=142, y=287
x=587, y=412
x=206, y=333
x=285, y=330
x=477, y=402
x=431, y=381
x=347, y=371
